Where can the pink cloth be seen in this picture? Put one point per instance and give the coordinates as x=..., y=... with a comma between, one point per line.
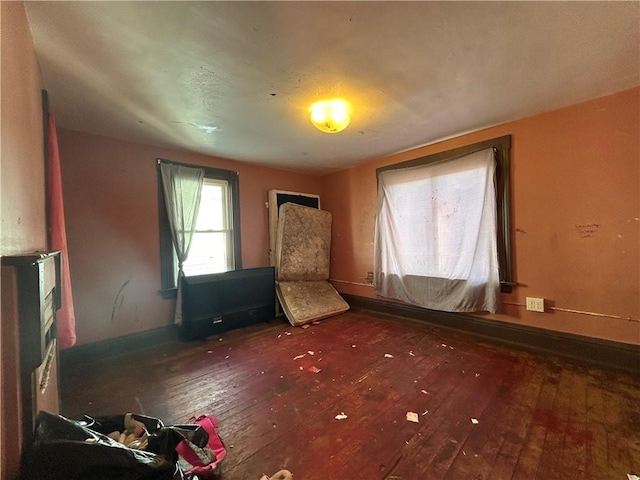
x=209, y=423
x=58, y=237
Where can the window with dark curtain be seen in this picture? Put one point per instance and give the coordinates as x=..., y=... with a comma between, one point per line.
x=219, y=232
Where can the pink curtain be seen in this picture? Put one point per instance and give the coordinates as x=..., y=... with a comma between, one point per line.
x=58, y=237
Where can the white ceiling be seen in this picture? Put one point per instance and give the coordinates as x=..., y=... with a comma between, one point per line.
x=235, y=79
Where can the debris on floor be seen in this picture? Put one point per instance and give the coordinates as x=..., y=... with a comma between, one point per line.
x=388, y=355
x=281, y=475
x=341, y=416
x=474, y=421
x=412, y=417
x=314, y=369
x=299, y=356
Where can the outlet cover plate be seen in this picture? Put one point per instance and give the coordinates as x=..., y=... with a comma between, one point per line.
x=535, y=304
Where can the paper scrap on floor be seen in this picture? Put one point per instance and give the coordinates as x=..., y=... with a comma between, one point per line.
x=412, y=417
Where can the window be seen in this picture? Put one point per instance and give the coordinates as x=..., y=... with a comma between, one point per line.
x=442, y=228
x=215, y=245
x=211, y=244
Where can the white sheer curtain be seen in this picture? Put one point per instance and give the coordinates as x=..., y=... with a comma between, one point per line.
x=182, y=188
x=435, y=238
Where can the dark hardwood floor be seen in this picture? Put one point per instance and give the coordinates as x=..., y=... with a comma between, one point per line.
x=537, y=417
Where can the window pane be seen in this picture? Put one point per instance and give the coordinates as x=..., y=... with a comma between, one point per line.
x=208, y=253
x=210, y=250
x=213, y=206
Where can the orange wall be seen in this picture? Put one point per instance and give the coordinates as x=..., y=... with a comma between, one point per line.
x=110, y=189
x=22, y=206
x=22, y=151
x=570, y=168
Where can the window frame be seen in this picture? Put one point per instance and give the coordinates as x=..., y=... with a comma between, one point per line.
x=168, y=286
x=502, y=149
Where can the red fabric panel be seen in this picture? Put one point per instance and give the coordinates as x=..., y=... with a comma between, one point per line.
x=58, y=237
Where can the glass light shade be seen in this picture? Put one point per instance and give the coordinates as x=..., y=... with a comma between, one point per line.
x=330, y=116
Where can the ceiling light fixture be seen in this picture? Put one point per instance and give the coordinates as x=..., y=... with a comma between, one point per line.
x=330, y=116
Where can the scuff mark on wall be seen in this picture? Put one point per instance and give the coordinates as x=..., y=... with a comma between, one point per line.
x=588, y=230
x=137, y=318
x=118, y=302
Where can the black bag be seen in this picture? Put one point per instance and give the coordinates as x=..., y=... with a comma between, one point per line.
x=63, y=449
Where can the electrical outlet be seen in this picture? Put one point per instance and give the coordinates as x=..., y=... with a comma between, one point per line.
x=369, y=278
x=535, y=304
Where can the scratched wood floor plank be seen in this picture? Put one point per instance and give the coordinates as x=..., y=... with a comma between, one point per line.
x=529, y=458
x=480, y=452
x=539, y=416
x=597, y=465
x=343, y=380
x=322, y=404
x=629, y=401
x=577, y=435
x=514, y=430
x=558, y=428
x=621, y=428
x=448, y=427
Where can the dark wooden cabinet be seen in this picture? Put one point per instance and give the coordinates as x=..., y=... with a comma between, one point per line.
x=222, y=301
x=32, y=283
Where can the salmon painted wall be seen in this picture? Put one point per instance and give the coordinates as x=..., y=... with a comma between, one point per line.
x=22, y=203
x=575, y=208
x=110, y=189
x=23, y=215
